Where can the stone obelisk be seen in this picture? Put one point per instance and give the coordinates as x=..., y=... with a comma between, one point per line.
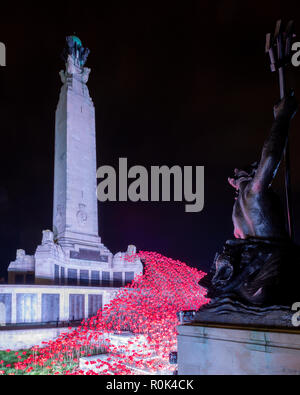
x=73, y=253
x=75, y=217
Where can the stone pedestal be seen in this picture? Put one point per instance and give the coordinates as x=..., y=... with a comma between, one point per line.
x=207, y=349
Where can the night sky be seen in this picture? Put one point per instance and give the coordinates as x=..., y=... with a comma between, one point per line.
x=173, y=83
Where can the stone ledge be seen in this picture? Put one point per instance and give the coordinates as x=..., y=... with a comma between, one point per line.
x=211, y=349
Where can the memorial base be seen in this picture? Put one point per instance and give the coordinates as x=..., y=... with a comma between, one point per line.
x=222, y=349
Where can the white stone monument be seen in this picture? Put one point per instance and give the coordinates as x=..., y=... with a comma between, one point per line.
x=73, y=253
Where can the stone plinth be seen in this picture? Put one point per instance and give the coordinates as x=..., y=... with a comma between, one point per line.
x=53, y=264
x=207, y=350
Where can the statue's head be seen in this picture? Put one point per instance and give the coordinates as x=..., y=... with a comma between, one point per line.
x=243, y=175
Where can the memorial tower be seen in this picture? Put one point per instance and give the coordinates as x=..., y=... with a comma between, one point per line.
x=75, y=215
x=72, y=253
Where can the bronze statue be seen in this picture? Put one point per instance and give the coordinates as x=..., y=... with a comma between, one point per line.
x=257, y=211
x=255, y=267
x=261, y=267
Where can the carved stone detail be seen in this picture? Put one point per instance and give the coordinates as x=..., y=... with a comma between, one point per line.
x=82, y=214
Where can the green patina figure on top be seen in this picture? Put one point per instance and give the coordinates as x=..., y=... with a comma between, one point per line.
x=74, y=47
x=77, y=41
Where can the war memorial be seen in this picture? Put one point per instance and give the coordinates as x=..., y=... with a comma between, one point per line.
x=72, y=274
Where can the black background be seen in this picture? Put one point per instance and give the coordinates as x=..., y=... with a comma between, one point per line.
x=173, y=82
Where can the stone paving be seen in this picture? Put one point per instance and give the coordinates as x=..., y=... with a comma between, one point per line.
x=121, y=342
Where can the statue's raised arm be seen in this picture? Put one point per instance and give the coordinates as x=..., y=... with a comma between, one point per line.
x=275, y=144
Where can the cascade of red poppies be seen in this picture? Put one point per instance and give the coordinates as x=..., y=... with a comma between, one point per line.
x=147, y=308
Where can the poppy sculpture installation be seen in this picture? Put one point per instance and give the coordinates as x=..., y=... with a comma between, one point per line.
x=147, y=308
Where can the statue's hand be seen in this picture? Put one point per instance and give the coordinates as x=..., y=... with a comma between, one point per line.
x=287, y=107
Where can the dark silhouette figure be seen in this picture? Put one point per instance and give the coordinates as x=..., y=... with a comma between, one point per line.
x=257, y=212
x=256, y=267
